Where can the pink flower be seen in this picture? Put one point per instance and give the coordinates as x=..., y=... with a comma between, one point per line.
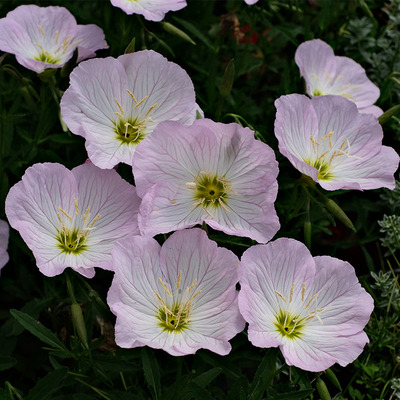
x=180, y=297
x=46, y=37
x=72, y=218
x=4, y=234
x=115, y=103
x=326, y=73
x=250, y=2
x=152, y=10
x=212, y=172
x=329, y=140
x=314, y=309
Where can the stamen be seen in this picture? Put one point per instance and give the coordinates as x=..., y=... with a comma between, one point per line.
x=140, y=102
x=65, y=213
x=40, y=46
x=192, y=285
x=312, y=298
x=96, y=218
x=208, y=212
x=303, y=291
x=314, y=142
x=86, y=215
x=178, y=281
x=76, y=206
x=41, y=30
x=328, y=135
x=191, y=185
x=57, y=35
x=281, y=296
x=119, y=106
x=62, y=225
x=133, y=97
x=165, y=288
x=221, y=203
x=150, y=109
x=291, y=292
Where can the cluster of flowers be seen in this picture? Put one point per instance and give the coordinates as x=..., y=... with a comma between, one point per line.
x=140, y=109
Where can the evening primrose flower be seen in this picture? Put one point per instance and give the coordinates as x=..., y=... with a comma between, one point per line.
x=72, y=218
x=180, y=297
x=212, y=172
x=46, y=37
x=152, y=10
x=314, y=309
x=4, y=234
x=326, y=73
x=329, y=140
x=115, y=103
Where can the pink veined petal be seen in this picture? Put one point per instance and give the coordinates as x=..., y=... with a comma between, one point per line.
x=372, y=173
x=91, y=38
x=110, y=196
x=152, y=10
x=316, y=62
x=330, y=305
x=31, y=32
x=4, y=235
x=187, y=261
x=166, y=207
x=374, y=110
x=354, y=83
x=346, y=143
x=174, y=154
x=341, y=117
x=50, y=200
x=316, y=354
x=151, y=75
x=168, y=164
x=295, y=122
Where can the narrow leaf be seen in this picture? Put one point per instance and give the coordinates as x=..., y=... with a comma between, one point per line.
x=47, y=386
x=39, y=330
x=264, y=375
x=151, y=372
x=205, y=378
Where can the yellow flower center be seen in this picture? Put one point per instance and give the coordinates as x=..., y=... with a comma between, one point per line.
x=290, y=325
x=210, y=191
x=131, y=130
x=174, y=315
x=73, y=239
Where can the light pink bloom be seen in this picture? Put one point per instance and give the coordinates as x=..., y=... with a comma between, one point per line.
x=180, y=297
x=250, y=2
x=326, y=73
x=152, y=10
x=46, y=37
x=72, y=218
x=115, y=103
x=329, y=140
x=4, y=234
x=212, y=172
x=314, y=309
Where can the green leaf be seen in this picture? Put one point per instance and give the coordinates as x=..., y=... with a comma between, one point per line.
x=39, y=330
x=7, y=362
x=263, y=377
x=205, y=378
x=297, y=395
x=151, y=372
x=195, y=32
x=48, y=385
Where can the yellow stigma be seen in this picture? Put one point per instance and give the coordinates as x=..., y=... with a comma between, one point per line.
x=210, y=191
